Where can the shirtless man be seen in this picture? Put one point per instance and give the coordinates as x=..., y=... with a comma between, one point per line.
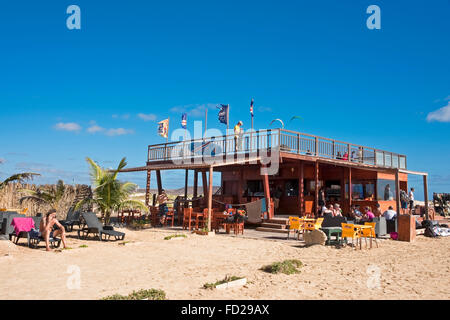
x=46, y=228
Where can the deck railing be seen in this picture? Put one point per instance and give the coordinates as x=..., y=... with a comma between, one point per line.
x=280, y=139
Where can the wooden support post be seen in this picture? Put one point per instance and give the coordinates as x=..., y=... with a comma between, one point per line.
x=210, y=192
x=425, y=191
x=316, y=192
x=301, y=191
x=350, y=187
x=343, y=191
x=158, y=181
x=240, y=182
x=205, y=184
x=186, y=184
x=397, y=193
x=267, y=194
x=195, y=183
x=147, y=188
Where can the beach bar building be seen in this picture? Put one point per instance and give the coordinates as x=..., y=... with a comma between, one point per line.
x=293, y=165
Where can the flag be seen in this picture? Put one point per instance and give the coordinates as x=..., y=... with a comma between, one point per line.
x=251, y=107
x=184, y=120
x=163, y=128
x=223, y=113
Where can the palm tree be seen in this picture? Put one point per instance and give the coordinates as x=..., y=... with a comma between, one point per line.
x=52, y=196
x=19, y=178
x=110, y=194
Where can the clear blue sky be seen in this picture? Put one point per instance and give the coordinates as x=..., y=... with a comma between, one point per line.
x=315, y=59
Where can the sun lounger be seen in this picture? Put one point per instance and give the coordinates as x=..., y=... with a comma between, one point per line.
x=94, y=226
x=7, y=228
x=33, y=238
x=72, y=218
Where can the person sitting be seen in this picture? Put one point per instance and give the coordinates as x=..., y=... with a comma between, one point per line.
x=368, y=215
x=345, y=156
x=328, y=211
x=46, y=229
x=378, y=212
x=337, y=211
x=390, y=213
x=339, y=156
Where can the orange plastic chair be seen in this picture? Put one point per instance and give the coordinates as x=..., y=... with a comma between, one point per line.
x=370, y=233
x=296, y=225
x=310, y=226
x=349, y=231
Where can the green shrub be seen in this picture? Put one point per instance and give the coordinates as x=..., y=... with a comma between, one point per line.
x=175, y=236
x=151, y=294
x=286, y=267
x=83, y=246
x=225, y=280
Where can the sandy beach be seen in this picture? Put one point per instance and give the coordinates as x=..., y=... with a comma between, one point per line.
x=418, y=270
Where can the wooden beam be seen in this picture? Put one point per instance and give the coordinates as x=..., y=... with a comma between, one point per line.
x=425, y=191
x=186, y=183
x=195, y=183
x=210, y=192
x=147, y=188
x=316, y=191
x=267, y=193
x=205, y=184
x=158, y=181
x=301, y=191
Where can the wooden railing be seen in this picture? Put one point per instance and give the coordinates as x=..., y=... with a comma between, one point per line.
x=268, y=140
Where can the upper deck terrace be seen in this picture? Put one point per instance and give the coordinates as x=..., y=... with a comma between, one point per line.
x=259, y=143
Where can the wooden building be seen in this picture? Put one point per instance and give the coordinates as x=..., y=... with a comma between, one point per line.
x=290, y=165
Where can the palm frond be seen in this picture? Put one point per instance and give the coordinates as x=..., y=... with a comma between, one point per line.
x=19, y=177
x=122, y=164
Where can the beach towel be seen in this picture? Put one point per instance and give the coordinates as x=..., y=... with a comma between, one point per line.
x=254, y=211
x=22, y=225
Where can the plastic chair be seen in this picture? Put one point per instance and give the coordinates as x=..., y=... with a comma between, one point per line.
x=295, y=224
x=370, y=233
x=349, y=231
x=310, y=226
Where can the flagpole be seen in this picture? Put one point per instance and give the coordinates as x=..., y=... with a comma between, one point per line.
x=168, y=122
x=206, y=119
x=228, y=117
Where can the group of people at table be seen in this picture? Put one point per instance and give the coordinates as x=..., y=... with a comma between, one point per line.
x=358, y=214
x=229, y=215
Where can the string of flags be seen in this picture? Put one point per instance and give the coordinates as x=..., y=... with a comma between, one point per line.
x=223, y=117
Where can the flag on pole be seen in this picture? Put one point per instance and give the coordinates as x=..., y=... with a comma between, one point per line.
x=163, y=128
x=251, y=107
x=223, y=113
x=184, y=120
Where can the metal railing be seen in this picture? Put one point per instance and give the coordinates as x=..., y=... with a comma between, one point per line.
x=259, y=141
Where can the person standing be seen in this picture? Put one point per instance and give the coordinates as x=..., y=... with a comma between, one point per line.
x=162, y=201
x=276, y=198
x=237, y=135
x=411, y=200
x=321, y=197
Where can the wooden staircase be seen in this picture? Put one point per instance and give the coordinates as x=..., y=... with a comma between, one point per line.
x=278, y=225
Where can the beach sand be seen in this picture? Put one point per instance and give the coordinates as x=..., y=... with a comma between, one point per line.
x=417, y=270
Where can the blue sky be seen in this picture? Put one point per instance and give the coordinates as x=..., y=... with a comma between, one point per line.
x=99, y=91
